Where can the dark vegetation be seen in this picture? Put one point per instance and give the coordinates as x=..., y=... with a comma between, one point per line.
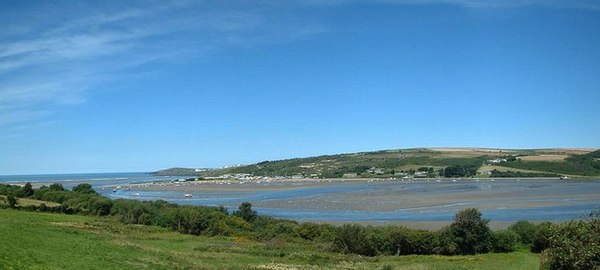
x=496, y=173
x=574, y=245
x=459, y=171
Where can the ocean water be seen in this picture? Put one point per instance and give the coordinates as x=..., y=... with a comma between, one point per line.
x=96, y=179
x=553, y=200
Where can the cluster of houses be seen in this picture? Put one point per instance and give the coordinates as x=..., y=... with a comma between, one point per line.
x=496, y=161
x=372, y=170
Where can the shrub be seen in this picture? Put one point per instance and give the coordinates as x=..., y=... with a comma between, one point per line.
x=470, y=232
x=26, y=191
x=84, y=188
x=245, y=211
x=525, y=230
x=575, y=245
x=352, y=238
x=308, y=231
x=56, y=187
x=505, y=241
x=541, y=238
x=425, y=242
x=11, y=200
x=447, y=245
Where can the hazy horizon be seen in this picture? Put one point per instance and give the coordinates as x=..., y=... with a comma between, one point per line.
x=92, y=87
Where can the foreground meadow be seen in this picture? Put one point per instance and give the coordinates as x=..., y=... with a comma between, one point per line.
x=31, y=240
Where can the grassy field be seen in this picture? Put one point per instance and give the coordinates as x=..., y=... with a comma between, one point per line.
x=55, y=241
x=487, y=168
x=27, y=202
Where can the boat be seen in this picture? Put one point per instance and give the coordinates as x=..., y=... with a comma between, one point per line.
x=187, y=195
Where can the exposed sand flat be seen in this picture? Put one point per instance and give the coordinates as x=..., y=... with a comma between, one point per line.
x=393, y=195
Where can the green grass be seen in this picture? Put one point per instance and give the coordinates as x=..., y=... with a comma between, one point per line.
x=55, y=241
x=28, y=202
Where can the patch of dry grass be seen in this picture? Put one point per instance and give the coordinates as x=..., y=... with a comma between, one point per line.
x=27, y=202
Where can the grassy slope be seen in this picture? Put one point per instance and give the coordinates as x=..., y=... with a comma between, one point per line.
x=586, y=164
x=405, y=159
x=27, y=202
x=55, y=241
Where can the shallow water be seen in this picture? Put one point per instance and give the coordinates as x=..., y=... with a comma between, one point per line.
x=378, y=201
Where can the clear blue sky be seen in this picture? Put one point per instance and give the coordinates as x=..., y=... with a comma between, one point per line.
x=105, y=86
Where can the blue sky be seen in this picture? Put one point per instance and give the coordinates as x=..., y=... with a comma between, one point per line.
x=103, y=86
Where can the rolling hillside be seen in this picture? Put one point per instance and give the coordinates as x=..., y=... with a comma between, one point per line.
x=421, y=162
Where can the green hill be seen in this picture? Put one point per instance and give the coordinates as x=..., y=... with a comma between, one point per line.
x=421, y=162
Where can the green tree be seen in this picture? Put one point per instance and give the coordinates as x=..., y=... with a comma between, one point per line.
x=245, y=212
x=27, y=190
x=56, y=187
x=470, y=232
x=11, y=200
x=84, y=188
x=525, y=229
x=505, y=241
x=575, y=245
x=43, y=208
x=541, y=238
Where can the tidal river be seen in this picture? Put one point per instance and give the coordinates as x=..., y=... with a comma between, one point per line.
x=358, y=200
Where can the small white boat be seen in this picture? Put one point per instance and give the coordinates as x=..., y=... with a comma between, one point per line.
x=137, y=194
x=187, y=195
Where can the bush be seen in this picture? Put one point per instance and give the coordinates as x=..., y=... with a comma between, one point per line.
x=447, y=245
x=85, y=188
x=399, y=241
x=505, y=241
x=470, y=232
x=56, y=187
x=575, y=245
x=245, y=211
x=352, y=238
x=525, y=230
x=26, y=191
x=11, y=200
x=541, y=238
x=308, y=231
